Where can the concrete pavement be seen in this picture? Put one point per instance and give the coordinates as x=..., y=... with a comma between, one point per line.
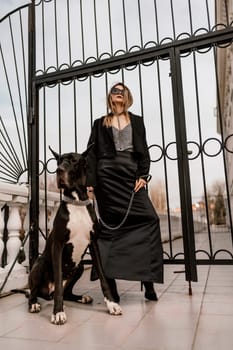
x=177, y=321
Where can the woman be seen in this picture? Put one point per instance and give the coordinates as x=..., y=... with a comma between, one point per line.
x=117, y=173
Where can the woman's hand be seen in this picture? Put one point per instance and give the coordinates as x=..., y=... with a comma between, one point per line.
x=139, y=184
x=90, y=192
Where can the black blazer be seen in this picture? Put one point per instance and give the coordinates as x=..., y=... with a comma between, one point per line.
x=104, y=147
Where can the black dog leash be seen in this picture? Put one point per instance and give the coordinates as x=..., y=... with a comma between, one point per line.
x=124, y=219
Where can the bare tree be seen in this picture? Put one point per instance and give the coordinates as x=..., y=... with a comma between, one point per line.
x=51, y=183
x=158, y=196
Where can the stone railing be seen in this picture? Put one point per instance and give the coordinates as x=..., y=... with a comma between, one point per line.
x=14, y=228
x=14, y=244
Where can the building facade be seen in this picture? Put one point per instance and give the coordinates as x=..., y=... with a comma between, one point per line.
x=224, y=16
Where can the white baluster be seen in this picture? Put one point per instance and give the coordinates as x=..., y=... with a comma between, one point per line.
x=52, y=213
x=26, y=229
x=1, y=233
x=13, y=226
x=42, y=225
x=12, y=276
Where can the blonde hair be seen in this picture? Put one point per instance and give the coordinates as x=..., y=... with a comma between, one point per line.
x=128, y=101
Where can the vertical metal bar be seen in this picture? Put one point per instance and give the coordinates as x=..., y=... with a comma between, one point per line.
x=43, y=37
x=59, y=116
x=156, y=21
x=45, y=158
x=25, y=79
x=190, y=16
x=122, y=75
x=82, y=31
x=183, y=168
x=173, y=20
x=91, y=98
x=59, y=122
x=55, y=24
x=33, y=140
x=220, y=109
x=96, y=31
x=215, y=11
x=69, y=36
x=125, y=27
x=208, y=14
x=165, y=163
x=75, y=117
x=140, y=87
x=201, y=153
x=110, y=26
x=106, y=90
x=140, y=23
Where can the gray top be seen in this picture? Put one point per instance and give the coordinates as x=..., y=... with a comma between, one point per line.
x=123, y=138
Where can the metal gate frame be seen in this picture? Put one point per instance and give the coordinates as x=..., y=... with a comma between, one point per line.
x=171, y=51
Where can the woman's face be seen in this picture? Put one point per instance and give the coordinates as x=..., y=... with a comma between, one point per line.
x=117, y=94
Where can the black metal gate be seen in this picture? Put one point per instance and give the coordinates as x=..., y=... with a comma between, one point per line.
x=174, y=81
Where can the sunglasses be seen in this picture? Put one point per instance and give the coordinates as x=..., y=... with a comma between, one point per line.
x=116, y=91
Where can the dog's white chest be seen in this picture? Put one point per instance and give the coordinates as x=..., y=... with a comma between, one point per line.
x=80, y=225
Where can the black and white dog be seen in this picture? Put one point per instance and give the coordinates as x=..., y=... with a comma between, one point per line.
x=56, y=271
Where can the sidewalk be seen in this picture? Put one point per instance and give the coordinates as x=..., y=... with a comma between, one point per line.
x=177, y=321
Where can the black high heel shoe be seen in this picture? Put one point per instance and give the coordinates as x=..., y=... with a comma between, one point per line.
x=150, y=293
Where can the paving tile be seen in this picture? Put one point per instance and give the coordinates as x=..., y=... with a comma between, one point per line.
x=23, y=344
x=149, y=337
x=175, y=322
x=216, y=323
x=11, y=302
x=218, y=298
x=89, y=334
x=217, y=340
x=219, y=289
x=173, y=308
x=218, y=308
x=39, y=329
x=75, y=346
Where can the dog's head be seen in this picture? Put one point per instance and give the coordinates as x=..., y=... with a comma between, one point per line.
x=71, y=170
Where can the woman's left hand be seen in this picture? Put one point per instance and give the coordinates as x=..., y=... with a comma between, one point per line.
x=139, y=184
x=90, y=192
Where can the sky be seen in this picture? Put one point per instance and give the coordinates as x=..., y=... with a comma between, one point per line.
x=150, y=91
x=9, y=5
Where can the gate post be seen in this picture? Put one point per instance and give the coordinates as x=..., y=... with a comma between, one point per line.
x=183, y=169
x=33, y=141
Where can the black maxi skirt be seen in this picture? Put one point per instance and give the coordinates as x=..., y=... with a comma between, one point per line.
x=134, y=251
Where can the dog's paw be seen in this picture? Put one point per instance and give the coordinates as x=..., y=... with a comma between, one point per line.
x=33, y=308
x=59, y=318
x=86, y=299
x=113, y=308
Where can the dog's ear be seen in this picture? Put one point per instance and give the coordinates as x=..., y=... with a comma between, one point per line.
x=85, y=153
x=56, y=155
